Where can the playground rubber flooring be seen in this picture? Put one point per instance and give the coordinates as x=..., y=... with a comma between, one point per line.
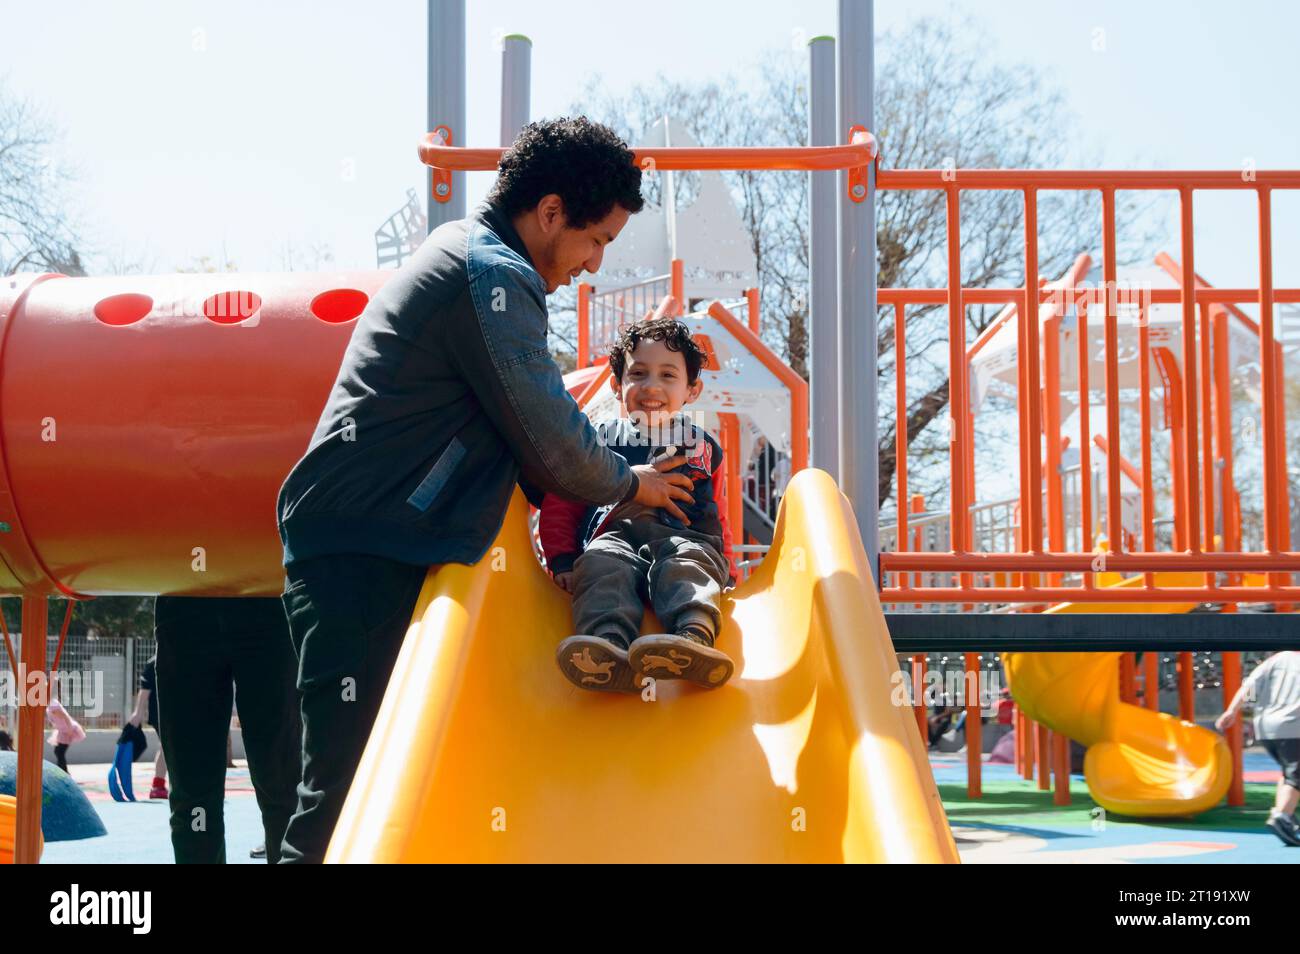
x=1014, y=822
x=139, y=832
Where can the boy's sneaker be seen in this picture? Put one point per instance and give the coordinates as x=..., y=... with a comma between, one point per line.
x=1285, y=827
x=590, y=662
x=159, y=789
x=666, y=656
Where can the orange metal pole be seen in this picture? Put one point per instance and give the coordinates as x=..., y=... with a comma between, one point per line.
x=1017, y=730
x=851, y=155
x=1114, y=521
x=584, y=324
x=1186, y=688
x=974, y=765
x=918, y=696
x=1223, y=434
x=1023, y=396
x=958, y=403
x=751, y=298
x=1151, y=680
x=1144, y=410
x=1085, y=442
x=1188, y=287
x=900, y=424
x=1272, y=433
x=678, y=283
x=31, y=726
x=1061, y=756
x=1231, y=528
x=1173, y=382
x=1231, y=683
x=1127, y=687
x=1057, y=594
x=918, y=506
x=1027, y=758
x=731, y=448
x=1044, y=757
x=1033, y=379
x=1052, y=425
x=1207, y=439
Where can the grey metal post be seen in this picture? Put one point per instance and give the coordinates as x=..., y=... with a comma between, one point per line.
x=823, y=315
x=516, y=70
x=446, y=97
x=859, y=447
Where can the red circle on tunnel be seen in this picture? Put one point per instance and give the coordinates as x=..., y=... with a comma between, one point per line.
x=231, y=307
x=339, y=304
x=124, y=309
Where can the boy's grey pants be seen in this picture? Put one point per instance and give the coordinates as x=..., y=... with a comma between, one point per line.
x=681, y=572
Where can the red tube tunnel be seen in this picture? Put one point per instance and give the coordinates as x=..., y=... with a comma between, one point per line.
x=147, y=423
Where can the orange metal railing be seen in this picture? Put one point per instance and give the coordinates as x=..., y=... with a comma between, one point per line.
x=1196, y=379
x=1197, y=398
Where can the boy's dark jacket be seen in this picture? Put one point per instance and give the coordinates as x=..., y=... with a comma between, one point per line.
x=447, y=392
x=566, y=527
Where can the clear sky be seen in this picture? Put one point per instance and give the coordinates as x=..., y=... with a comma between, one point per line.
x=201, y=126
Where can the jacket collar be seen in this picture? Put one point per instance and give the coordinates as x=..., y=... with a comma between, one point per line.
x=492, y=214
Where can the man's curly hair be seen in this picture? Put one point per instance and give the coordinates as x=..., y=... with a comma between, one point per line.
x=585, y=163
x=675, y=335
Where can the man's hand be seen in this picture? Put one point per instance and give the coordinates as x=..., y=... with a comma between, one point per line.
x=1224, y=722
x=135, y=719
x=659, y=488
x=564, y=581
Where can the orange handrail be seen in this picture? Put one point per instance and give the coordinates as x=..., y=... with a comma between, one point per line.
x=433, y=152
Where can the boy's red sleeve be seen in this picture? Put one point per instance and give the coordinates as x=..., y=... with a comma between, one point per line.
x=558, y=528
x=724, y=512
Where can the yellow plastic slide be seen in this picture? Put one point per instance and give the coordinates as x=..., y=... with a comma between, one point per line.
x=1139, y=762
x=482, y=752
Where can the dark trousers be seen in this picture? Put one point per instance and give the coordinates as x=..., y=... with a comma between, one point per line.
x=348, y=615
x=209, y=649
x=681, y=571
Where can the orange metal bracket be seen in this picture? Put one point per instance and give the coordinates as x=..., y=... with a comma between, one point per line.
x=441, y=177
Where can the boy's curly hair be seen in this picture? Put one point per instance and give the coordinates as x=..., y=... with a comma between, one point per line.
x=675, y=335
x=585, y=163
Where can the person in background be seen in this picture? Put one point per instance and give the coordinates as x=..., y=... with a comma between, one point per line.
x=1273, y=690
x=146, y=711
x=6, y=743
x=67, y=731
x=208, y=646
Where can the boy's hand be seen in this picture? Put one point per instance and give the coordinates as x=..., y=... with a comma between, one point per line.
x=565, y=581
x=1224, y=722
x=659, y=488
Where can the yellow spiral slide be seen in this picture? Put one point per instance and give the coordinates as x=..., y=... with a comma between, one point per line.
x=1140, y=762
x=482, y=752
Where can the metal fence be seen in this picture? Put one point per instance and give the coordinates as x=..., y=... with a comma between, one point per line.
x=96, y=680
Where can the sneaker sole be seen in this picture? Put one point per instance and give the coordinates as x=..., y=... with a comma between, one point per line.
x=1282, y=832
x=595, y=664
x=676, y=657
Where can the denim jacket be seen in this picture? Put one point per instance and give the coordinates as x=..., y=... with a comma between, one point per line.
x=447, y=396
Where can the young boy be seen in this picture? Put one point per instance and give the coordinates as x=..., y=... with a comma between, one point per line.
x=612, y=558
x=1274, y=690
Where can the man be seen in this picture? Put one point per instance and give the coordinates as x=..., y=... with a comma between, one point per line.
x=209, y=648
x=447, y=396
x=1273, y=689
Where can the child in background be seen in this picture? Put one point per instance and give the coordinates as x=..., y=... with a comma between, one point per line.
x=612, y=558
x=67, y=731
x=1273, y=689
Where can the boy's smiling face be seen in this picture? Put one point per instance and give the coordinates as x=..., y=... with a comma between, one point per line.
x=654, y=385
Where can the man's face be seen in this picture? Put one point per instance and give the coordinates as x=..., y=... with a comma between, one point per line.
x=564, y=253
